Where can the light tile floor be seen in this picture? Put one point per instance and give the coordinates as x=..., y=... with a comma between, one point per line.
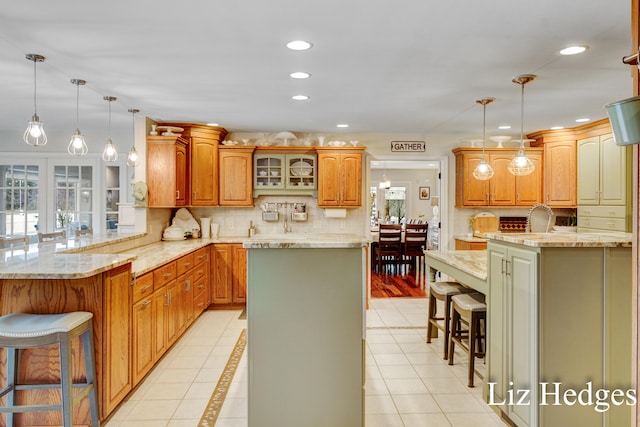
x=408, y=382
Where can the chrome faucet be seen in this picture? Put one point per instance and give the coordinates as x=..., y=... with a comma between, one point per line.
x=549, y=214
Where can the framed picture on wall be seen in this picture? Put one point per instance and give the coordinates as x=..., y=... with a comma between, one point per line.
x=425, y=193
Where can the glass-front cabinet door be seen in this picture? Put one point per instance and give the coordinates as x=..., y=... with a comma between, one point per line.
x=269, y=171
x=284, y=173
x=301, y=171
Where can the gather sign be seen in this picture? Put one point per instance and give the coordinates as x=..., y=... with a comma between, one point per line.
x=408, y=146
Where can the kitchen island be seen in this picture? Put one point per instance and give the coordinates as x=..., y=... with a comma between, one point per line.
x=559, y=326
x=559, y=316
x=306, y=329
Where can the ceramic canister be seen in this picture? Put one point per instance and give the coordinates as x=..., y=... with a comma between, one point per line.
x=205, y=226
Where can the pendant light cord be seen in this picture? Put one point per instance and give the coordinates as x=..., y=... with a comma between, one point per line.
x=35, y=88
x=522, y=117
x=484, y=127
x=77, y=105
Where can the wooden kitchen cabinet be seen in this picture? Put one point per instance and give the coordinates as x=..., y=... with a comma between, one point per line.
x=466, y=245
x=285, y=171
x=560, y=166
x=143, y=323
x=166, y=159
x=339, y=177
x=202, y=166
x=504, y=188
x=229, y=274
x=201, y=279
x=236, y=183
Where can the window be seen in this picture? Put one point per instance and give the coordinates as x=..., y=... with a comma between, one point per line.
x=73, y=195
x=19, y=191
x=387, y=205
x=112, y=187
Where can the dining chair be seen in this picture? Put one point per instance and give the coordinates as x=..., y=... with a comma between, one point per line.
x=84, y=232
x=389, y=249
x=14, y=242
x=415, y=242
x=52, y=237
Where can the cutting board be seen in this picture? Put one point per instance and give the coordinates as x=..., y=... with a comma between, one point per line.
x=485, y=222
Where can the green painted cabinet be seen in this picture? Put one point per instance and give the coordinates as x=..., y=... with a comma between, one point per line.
x=558, y=315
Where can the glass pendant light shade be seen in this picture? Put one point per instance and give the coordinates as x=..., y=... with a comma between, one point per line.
x=109, y=154
x=521, y=165
x=483, y=171
x=132, y=158
x=77, y=146
x=35, y=135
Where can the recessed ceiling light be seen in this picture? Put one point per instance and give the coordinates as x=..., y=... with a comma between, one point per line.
x=582, y=120
x=503, y=127
x=573, y=50
x=213, y=124
x=299, y=45
x=557, y=127
x=300, y=97
x=342, y=125
x=300, y=75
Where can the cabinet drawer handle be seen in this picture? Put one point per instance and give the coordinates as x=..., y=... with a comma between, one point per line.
x=200, y=286
x=147, y=302
x=187, y=264
x=145, y=288
x=201, y=257
x=167, y=275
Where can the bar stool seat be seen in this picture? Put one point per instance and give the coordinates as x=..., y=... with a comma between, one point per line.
x=442, y=291
x=22, y=331
x=468, y=309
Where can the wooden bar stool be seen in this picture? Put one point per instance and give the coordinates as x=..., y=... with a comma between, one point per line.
x=469, y=310
x=22, y=331
x=442, y=291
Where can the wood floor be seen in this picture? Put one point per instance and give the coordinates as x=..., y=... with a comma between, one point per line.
x=394, y=283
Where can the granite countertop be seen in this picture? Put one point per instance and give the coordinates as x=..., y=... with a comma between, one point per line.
x=472, y=239
x=565, y=240
x=70, y=259
x=305, y=241
x=471, y=262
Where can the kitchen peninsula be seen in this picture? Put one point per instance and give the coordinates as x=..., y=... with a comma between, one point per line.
x=559, y=310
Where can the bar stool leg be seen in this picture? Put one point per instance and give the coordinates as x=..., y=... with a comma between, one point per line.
x=472, y=346
x=455, y=333
x=89, y=363
x=431, y=313
x=447, y=326
x=66, y=380
x=12, y=380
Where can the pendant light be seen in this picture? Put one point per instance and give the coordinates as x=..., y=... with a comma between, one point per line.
x=521, y=165
x=77, y=146
x=109, y=154
x=34, y=135
x=385, y=183
x=132, y=158
x=483, y=171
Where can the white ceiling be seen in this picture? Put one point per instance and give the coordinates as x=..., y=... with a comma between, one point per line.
x=406, y=66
